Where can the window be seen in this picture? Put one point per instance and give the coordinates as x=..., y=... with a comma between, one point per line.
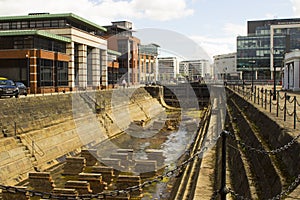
x=24, y=24
x=46, y=72
x=47, y=24
x=147, y=67
x=62, y=23
x=89, y=66
x=62, y=73
x=122, y=46
x=5, y=26
x=32, y=24
x=13, y=25
x=39, y=24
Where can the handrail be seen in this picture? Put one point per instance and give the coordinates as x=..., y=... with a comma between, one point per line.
x=32, y=144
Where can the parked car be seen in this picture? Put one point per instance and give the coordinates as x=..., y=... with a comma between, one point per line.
x=8, y=88
x=22, y=88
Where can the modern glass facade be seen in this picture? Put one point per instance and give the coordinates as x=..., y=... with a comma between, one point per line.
x=253, y=50
x=32, y=42
x=46, y=20
x=51, y=73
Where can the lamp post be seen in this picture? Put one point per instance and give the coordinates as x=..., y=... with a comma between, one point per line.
x=274, y=87
x=28, y=70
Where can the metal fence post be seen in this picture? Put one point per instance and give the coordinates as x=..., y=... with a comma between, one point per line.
x=284, y=107
x=262, y=97
x=270, y=101
x=258, y=97
x=266, y=93
x=254, y=94
x=223, y=173
x=295, y=111
x=277, y=104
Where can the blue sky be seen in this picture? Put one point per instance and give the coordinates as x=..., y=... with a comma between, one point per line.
x=212, y=24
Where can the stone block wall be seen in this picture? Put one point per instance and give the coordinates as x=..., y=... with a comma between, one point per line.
x=13, y=161
x=37, y=131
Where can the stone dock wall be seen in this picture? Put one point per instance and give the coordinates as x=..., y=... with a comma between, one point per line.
x=255, y=174
x=39, y=132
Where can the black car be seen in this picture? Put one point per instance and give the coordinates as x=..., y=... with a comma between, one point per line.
x=8, y=88
x=22, y=88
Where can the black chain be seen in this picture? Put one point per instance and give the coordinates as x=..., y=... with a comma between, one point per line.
x=170, y=173
x=279, y=196
x=274, y=151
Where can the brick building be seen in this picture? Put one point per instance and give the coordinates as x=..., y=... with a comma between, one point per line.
x=53, y=52
x=119, y=37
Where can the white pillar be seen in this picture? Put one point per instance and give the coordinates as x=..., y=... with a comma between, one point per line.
x=285, y=76
x=103, y=64
x=96, y=67
x=291, y=76
x=71, y=66
x=296, y=75
x=82, y=73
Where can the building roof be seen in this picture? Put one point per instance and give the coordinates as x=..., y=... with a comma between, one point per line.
x=51, y=16
x=35, y=32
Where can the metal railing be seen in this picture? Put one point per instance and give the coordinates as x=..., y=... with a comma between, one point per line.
x=286, y=105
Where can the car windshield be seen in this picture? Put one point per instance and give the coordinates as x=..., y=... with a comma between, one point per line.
x=7, y=82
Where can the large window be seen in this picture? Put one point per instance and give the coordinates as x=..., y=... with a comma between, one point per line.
x=46, y=73
x=76, y=63
x=50, y=45
x=29, y=42
x=123, y=46
x=62, y=73
x=89, y=66
x=55, y=23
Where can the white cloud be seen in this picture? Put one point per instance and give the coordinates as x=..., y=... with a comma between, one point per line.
x=162, y=10
x=296, y=7
x=235, y=29
x=102, y=11
x=221, y=45
x=216, y=46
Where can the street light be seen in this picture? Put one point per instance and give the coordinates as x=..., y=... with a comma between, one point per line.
x=274, y=87
x=28, y=70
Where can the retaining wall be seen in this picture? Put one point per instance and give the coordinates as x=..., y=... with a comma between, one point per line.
x=38, y=132
x=268, y=135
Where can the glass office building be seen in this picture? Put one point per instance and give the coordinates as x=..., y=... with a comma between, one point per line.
x=254, y=50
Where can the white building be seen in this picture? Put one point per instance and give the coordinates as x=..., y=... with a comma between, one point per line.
x=194, y=69
x=168, y=69
x=291, y=79
x=225, y=65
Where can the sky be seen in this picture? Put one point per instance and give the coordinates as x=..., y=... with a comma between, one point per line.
x=211, y=24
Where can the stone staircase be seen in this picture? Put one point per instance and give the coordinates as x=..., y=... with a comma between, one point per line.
x=29, y=153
